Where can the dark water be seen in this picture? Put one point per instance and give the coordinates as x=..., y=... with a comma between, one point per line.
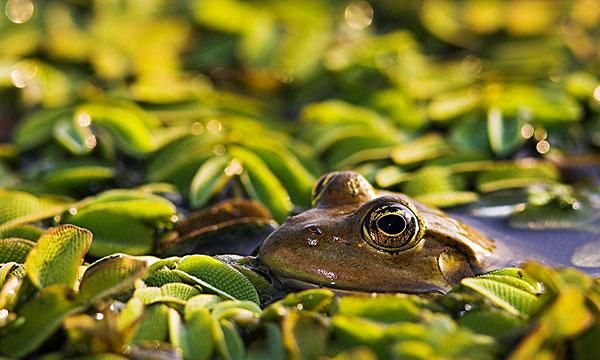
x=551, y=247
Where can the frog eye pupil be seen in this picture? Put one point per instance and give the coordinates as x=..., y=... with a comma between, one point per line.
x=391, y=224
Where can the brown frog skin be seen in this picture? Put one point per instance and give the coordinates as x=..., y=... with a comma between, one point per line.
x=357, y=239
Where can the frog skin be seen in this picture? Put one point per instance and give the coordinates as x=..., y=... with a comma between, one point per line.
x=357, y=239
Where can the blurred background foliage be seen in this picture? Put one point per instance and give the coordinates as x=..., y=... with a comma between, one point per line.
x=256, y=98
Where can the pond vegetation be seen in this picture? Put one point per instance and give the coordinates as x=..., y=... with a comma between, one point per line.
x=138, y=138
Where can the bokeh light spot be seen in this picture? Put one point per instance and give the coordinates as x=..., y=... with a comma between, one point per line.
x=19, y=11
x=358, y=15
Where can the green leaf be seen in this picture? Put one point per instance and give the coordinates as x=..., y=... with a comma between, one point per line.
x=14, y=250
x=516, y=174
x=130, y=131
x=136, y=204
x=77, y=175
x=154, y=325
x=198, y=302
x=108, y=276
x=36, y=129
x=228, y=342
x=493, y=323
x=209, y=180
x=78, y=139
x=57, y=255
x=182, y=156
x=218, y=277
x=28, y=232
x=305, y=335
x=262, y=185
x=18, y=208
x=43, y=315
x=194, y=337
x=512, y=299
x=177, y=293
x=383, y=308
x=286, y=166
x=504, y=133
x=115, y=233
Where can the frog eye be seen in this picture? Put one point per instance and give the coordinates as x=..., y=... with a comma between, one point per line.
x=392, y=227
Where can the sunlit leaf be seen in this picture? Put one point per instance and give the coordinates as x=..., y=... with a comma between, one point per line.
x=14, y=250
x=57, y=255
x=212, y=274
x=43, y=315
x=109, y=276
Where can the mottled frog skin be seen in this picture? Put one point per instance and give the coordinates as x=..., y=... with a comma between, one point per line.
x=357, y=239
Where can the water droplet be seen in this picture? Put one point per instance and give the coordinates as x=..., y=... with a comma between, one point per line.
x=3, y=315
x=527, y=131
x=299, y=306
x=23, y=73
x=471, y=65
x=73, y=211
x=19, y=11
x=219, y=150
x=542, y=147
x=312, y=242
x=84, y=119
x=468, y=307
x=197, y=128
x=214, y=126
x=234, y=168
x=91, y=142
x=596, y=93
x=99, y=316
x=358, y=15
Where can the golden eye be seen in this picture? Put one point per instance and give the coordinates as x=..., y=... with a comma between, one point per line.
x=392, y=227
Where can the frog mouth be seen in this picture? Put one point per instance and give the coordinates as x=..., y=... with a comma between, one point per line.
x=286, y=281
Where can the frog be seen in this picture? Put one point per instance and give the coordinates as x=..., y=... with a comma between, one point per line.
x=358, y=239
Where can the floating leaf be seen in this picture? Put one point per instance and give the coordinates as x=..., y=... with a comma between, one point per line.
x=289, y=170
x=154, y=325
x=383, y=308
x=14, y=250
x=493, y=323
x=510, y=298
x=427, y=147
x=194, y=337
x=37, y=128
x=43, y=315
x=228, y=342
x=198, y=302
x=114, y=233
x=518, y=174
x=262, y=185
x=176, y=293
x=109, y=276
x=57, y=255
x=212, y=274
x=77, y=175
x=304, y=335
x=132, y=203
x=18, y=208
x=209, y=180
x=131, y=132
x=504, y=133
x=78, y=139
